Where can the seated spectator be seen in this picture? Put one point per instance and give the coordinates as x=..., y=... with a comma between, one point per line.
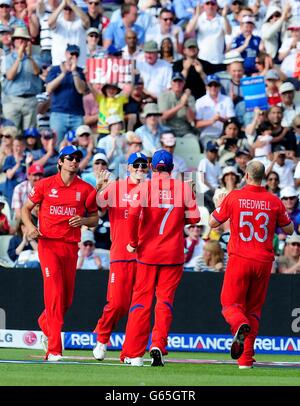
x=134, y=144
x=193, y=245
x=21, y=192
x=23, y=250
x=289, y=49
x=7, y=17
x=168, y=143
x=167, y=52
x=290, y=199
x=262, y=144
x=6, y=41
x=94, y=50
x=235, y=71
x=97, y=18
x=295, y=131
x=134, y=107
x=231, y=140
x=87, y=258
x=289, y=262
x=4, y=224
x=178, y=107
x=229, y=181
x=271, y=79
x=284, y=164
x=47, y=155
x=86, y=145
x=258, y=117
x=272, y=183
x=212, y=258
x=288, y=104
x=7, y=135
x=281, y=135
x=100, y=163
x=152, y=129
x=263, y=63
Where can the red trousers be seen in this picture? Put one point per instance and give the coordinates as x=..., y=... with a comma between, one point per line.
x=119, y=292
x=58, y=262
x=150, y=279
x=243, y=295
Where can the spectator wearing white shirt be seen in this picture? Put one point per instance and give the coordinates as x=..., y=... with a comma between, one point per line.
x=289, y=49
x=283, y=164
x=87, y=257
x=211, y=29
x=156, y=73
x=290, y=108
x=168, y=143
x=213, y=110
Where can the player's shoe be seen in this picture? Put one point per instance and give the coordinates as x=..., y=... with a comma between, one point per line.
x=44, y=342
x=245, y=366
x=99, y=351
x=237, y=346
x=54, y=357
x=134, y=362
x=157, y=358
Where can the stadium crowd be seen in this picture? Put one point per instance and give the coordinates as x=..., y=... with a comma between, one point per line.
x=184, y=94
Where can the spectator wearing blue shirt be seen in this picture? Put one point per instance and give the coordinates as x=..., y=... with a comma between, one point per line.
x=114, y=34
x=247, y=44
x=5, y=15
x=47, y=155
x=184, y=10
x=66, y=84
x=144, y=19
x=22, y=82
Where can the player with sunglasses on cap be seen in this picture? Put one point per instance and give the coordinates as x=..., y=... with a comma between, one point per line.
x=64, y=200
x=116, y=196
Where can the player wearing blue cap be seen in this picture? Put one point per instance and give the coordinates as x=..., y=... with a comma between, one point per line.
x=155, y=227
x=64, y=200
x=117, y=196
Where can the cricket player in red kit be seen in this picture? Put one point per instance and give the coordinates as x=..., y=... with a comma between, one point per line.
x=66, y=203
x=254, y=215
x=156, y=221
x=116, y=197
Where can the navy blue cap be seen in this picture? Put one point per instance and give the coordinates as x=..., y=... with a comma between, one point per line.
x=212, y=79
x=73, y=48
x=135, y=156
x=70, y=136
x=162, y=158
x=178, y=76
x=31, y=132
x=212, y=146
x=70, y=150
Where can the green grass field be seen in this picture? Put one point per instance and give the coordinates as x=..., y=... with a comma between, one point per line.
x=88, y=372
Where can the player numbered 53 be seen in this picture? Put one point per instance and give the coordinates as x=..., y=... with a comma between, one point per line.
x=250, y=223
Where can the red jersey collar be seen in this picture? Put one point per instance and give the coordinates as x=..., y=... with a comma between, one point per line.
x=254, y=188
x=160, y=175
x=60, y=181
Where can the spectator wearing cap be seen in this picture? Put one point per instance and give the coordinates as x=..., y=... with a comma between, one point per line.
x=47, y=155
x=178, y=107
x=68, y=24
x=7, y=135
x=232, y=84
x=284, y=164
x=229, y=181
x=66, y=85
x=5, y=39
x=272, y=29
x=86, y=146
x=97, y=18
x=168, y=143
x=94, y=50
x=22, y=82
x=289, y=49
x=114, y=34
x=114, y=143
x=212, y=110
x=193, y=69
x=87, y=257
x=289, y=262
x=152, y=129
x=271, y=79
x=209, y=171
x=100, y=163
x=6, y=17
x=290, y=107
x=156, y=74
x=242, y=157
x=32, y=138
x=290, y=199
x=211, y=29
x=247, y=44
x=21, y=192
x=165, y=28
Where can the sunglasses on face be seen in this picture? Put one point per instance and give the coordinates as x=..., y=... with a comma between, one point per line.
x=94, y=35
x=135, y=143
x=19, y=2
x=94, y=2
x=210, y=3
x=47, y=137
x=71, y=158
x=168, y=19
x=5, y=136
x=289, y=198
x=88, y=244
x=100, y=162
x=74, y=54
x=4, y=6
x=84, y=135
x=141, y=165
x=67, y=9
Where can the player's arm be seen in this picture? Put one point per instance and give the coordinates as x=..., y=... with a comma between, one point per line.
x=192, y=213
x=32, y=231
x=289, y=229
x=219, y=215
x=133, y=224
x=91, y=220
x=284, y=221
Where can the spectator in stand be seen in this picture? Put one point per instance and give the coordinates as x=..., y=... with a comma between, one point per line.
x=66, y=85
x=87, y=257
x=212, y=259
x=134, y=144
x=290, y=200
x=231, y=139
x=134, y=107
x=295, y=130
x=14, y=167
x=86, y=146
x=168, y=143
x=289, y=262
x=165, y=28
x=152, y=129
x=242, y=157
x=22, y=82
x=229, y=181
x=21, y=192
x=281, y=135
x=44, y=9
x=6, y=18
x=68, y=24
x=167, y=52
x=4, y=225
x=262, y=144
x=7, y=135
x=97, y=19
x=100, y=162
x=247, y=44
x=178, y=107
x=47, y=155
x=284, y=164
x=114, y=34
x=155, y=73
x=211, y=29
x=212, y=111
x=25, y=13
x=289, y=49
x=272, y=183
x=5, y=41
x=290, y=107
x=144, y=19
x=20, y=243
x=258, y=117
x=91, y=107
x=235, y=70
x=94, y=50
x=184, y=10
x=131, y=50
x=32, y=139
x=271, y=79
x=233, y=17
x=193, y=69
x=193, y=245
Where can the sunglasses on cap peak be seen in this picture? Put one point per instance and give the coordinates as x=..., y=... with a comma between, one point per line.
x=72, y=158
x=142, y=165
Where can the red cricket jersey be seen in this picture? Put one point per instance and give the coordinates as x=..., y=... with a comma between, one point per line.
x=254, y=215
x=157, y=217
x=116, y=198
x=59, y=203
